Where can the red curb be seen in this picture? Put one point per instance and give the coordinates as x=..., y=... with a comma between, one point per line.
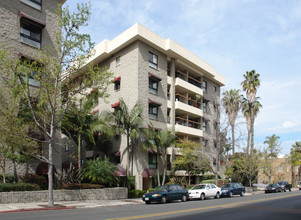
x=39, y=209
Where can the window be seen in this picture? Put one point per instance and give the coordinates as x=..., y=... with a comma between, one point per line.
x=117, y=61
x=153, y=60
x=204, y=86
x=204, y=125
x=280, y=169
x=153, y=86
x=30, y=33
x=215, y=88
x=152, y=161
x=153, y=111
x=204, y=106
x=117, y=85
x=66, y=147
x=31, y=69
x=37, y=4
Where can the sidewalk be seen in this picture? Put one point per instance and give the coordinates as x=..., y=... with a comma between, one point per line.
x=40, y=206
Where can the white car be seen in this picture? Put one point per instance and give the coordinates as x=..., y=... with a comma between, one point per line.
x=202, y=191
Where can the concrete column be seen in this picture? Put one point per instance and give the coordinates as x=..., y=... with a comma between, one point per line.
x=139, y=182
x=172, y=99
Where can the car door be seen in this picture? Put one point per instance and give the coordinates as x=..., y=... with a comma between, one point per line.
x=213, y=190
x=172, y=192
x=236, y=189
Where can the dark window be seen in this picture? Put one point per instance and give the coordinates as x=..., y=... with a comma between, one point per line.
x=204, y=125
x=30, y=33
x=117, y=61
x=153, y=85
x=168, y=159
x=204, y=86
x=31, y=69
x=153, y=111
x=117, y=85
x=37, y=4
x=152, y=161
x=153, y=60
x=204, y=106
x=215, y=89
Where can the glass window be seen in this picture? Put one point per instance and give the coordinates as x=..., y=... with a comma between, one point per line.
x=153, y=60
x=152, y=161
x=117, y=85
x=204, y=125
x=37, y=4
x=153, y=85
x=153, y=111
x=117, y=61
x=204, y=86
x=215, y=89
x=30, y=34
x=204, y=106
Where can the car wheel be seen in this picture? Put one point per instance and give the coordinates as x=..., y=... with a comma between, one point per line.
x=284, y=190
x=217, y=195
x=184, y=198
x=230, y=194
x=163, y=199
x=147, y=202
x=202, y=197
x=290, y=189
x=242, y=193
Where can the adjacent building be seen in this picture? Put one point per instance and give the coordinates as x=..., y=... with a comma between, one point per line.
x=176, y=89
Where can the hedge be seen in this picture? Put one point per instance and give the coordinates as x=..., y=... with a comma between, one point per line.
x=9, y=178
x=10, y=187
x=136, y=193
x=82, y=186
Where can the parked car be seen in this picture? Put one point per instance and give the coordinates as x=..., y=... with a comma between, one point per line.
x=202, y=191
x=285, y=186
x=299, y=185
x=273, y=188
x=166, y=193
x=230, y=189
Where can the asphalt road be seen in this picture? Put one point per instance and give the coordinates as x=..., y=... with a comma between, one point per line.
x=264, y=206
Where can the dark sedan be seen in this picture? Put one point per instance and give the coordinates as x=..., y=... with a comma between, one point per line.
x=231, y=189
x=273, y=188
x=166, y=193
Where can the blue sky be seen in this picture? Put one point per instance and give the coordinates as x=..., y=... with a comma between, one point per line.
x=234, y=36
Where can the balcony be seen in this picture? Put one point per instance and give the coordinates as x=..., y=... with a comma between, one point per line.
x=187, y=127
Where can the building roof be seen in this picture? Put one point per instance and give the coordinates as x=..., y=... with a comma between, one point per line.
x=169, y=47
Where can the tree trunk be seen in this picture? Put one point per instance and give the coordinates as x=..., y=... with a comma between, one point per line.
x=79, y=148
x=16, y=179
x=293, y=175
x=27, y=168
x=128, y=153
x=158, y=174
x=3, y=170
x=216, y=178
x=50, y=168
x=252, y=127
x=233, y=141
x=165, y=167
x=248, y=144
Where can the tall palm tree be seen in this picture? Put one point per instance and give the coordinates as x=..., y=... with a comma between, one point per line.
x=250, y=84
x=161, y=140
x=126, y=122
x=232, y=102
x=246, y=108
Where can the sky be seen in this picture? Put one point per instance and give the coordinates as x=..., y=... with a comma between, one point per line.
x=234, y=36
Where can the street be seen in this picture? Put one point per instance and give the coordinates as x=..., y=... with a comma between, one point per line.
x=263, y=206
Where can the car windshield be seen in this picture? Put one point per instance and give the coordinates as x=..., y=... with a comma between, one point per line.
x=273, y=185
x=199, y=187
x=226, y=185
x=161, y=188
x=281, y=183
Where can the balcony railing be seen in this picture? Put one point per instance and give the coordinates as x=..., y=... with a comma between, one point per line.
x=189, y=101
x=188, y=78
x=188, y=123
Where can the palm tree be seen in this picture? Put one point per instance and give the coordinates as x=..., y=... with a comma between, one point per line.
x=127, y=122
x=161, y=140
x=246, y=106
x=232, y=102
x=250, y=85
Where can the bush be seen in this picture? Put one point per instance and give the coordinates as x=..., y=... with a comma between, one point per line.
x=9, y=187
x=136, y=193
x=9, y=178
x=35, y=179
x=82, y=186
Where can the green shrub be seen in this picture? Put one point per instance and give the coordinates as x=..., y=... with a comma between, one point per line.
x=9, y=178
x=136, y=193
x=35, y=179
x=82, y=186
x=9, y=187
x=151, y=189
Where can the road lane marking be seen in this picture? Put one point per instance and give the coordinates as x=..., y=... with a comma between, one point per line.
x=202, y=208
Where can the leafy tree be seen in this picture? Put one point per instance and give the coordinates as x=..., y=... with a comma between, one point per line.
x=61, y=79
x=100, y=171
x=193, y=159
x=250, y=84
x=160, y=140
x=247, y=114
x=232, y=102
x=270, y=152
x=126, y=122
x=295, y=158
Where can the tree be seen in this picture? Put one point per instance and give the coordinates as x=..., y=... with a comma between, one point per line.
x=160, y=140
x=58, y=69
x=126, y=122
x=193, y=159
x=247, y=114
x=232, y=103
x=295, y=159
x=270, y=152
x=100, y=171
x=250, y=84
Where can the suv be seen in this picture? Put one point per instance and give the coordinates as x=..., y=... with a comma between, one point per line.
x=285, y=186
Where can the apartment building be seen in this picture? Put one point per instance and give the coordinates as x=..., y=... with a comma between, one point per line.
x=25, y=26
x=176, y=89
